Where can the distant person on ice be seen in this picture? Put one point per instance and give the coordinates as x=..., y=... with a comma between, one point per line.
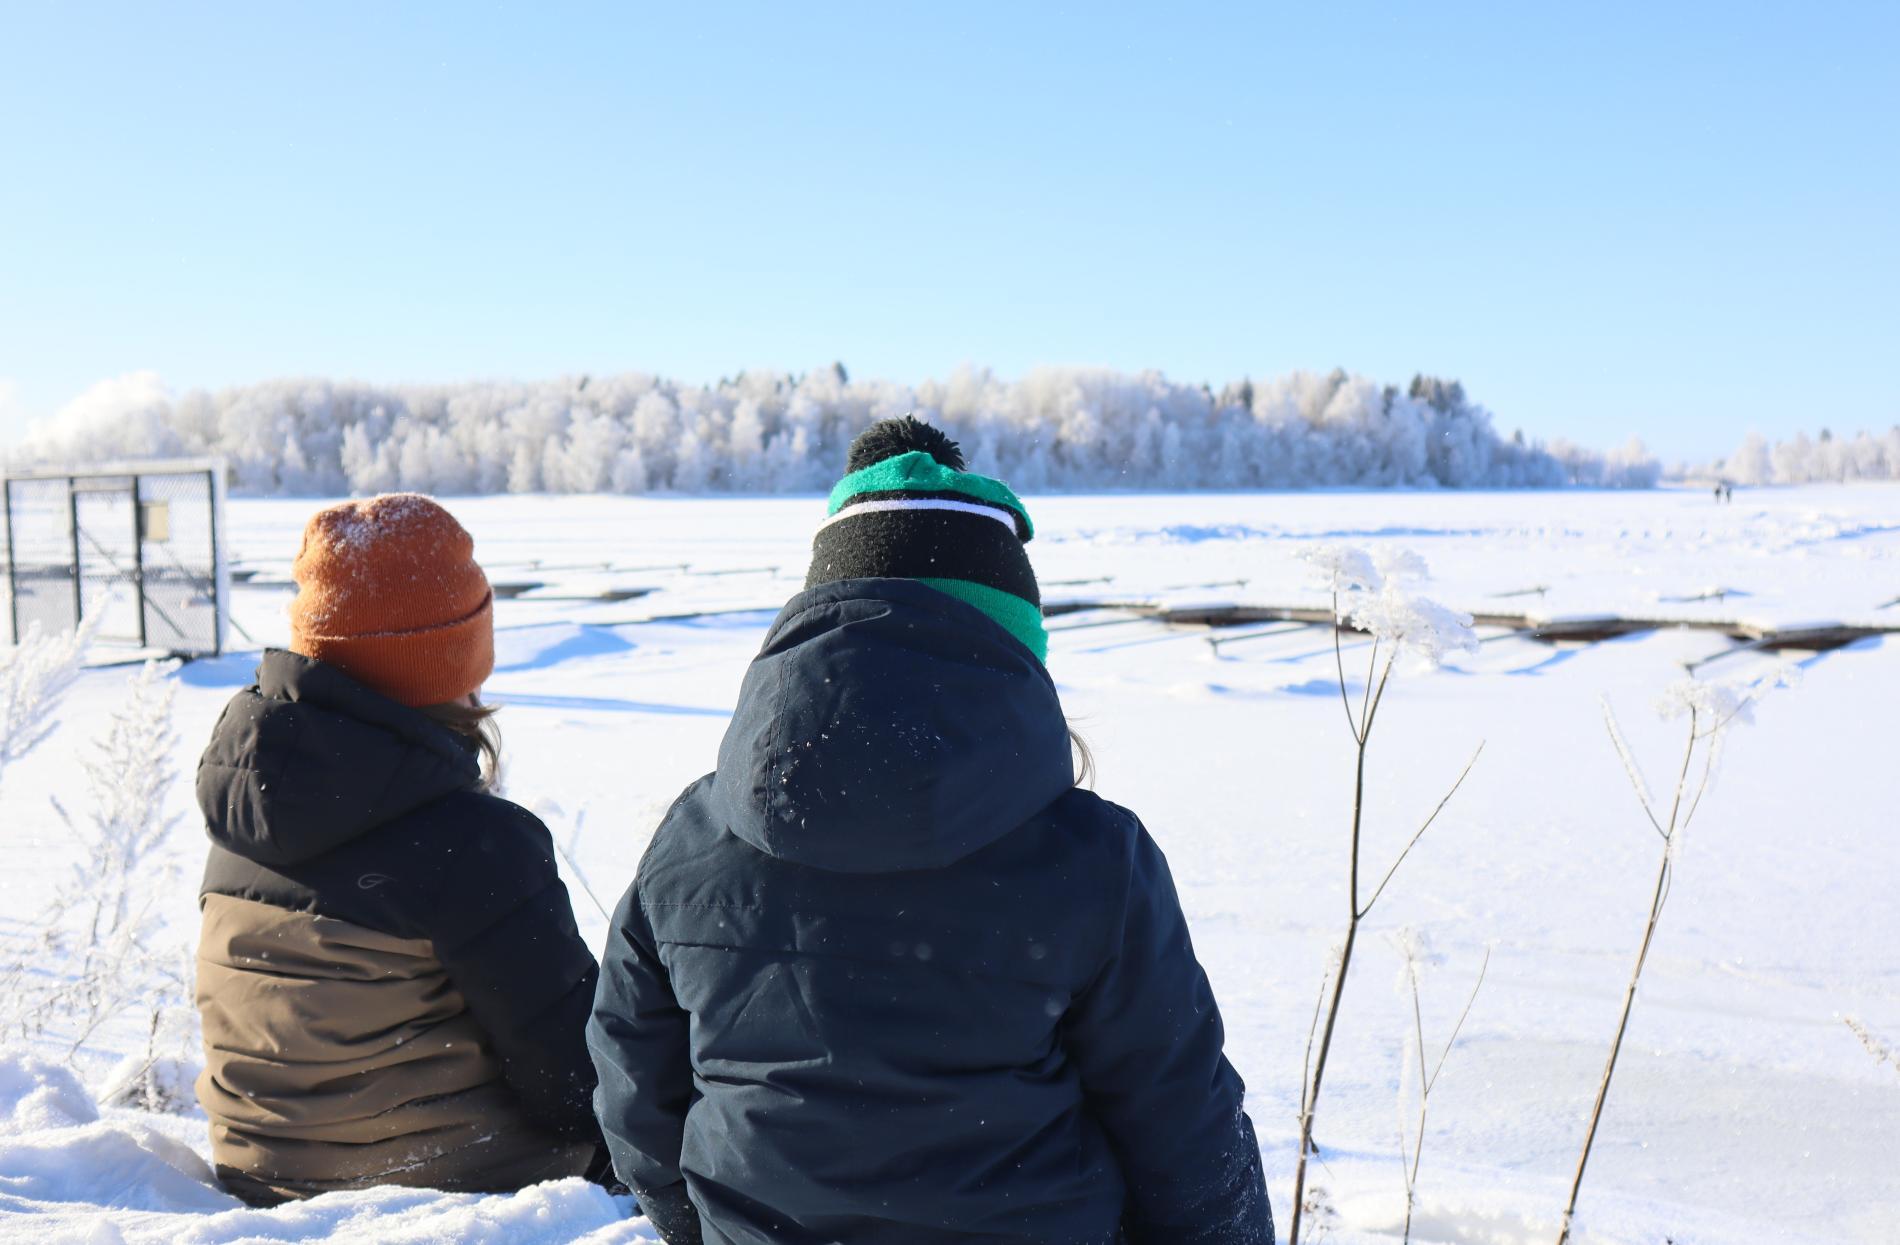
x=888, y=977
x=392, y=987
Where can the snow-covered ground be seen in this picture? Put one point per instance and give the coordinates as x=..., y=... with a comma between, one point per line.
x=1745, y=1109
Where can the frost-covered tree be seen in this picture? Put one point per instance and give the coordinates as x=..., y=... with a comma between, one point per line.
x=1751, y=464
x=759, y=431
x=1823, y=459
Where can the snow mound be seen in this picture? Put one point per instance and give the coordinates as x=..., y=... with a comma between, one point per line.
x=37, y=1095
x=121, y=1166
x=562, y=1211
x=113, y=1178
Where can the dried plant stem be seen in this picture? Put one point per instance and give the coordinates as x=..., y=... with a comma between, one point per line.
x=1355, y=911
x=575, y=869
x=1881, y=1052
x=1616, y=1046
x=1309, y=1095
x=1306, y=1064
x=1426, y=1082
x=1670, y=830
x=1339, y=664
x=1380, y=889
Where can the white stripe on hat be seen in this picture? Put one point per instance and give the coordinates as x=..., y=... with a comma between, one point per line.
x=919, y=503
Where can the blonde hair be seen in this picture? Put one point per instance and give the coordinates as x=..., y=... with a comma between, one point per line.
x=471, y=719
x=1084, y=759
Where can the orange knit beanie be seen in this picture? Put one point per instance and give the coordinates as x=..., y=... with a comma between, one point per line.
x=388, y=591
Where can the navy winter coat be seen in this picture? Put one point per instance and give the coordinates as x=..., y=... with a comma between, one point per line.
x=889, y=977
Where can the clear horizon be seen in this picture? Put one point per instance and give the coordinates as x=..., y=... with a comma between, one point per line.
x=1678, y=226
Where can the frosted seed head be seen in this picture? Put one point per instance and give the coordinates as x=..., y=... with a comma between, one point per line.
x=1413, y=624
x=1341, y=568
x=1395, y=563
x=1416, y=956
x=1718, y=705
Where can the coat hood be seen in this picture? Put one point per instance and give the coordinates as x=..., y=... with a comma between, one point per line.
x=887, y=726
x=309, y=759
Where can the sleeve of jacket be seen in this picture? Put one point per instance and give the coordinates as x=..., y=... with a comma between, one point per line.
x=504, y=930
x=639, y=1040
x=1147, y=1039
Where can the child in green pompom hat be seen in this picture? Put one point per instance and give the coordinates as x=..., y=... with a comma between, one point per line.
x=907, y=509
x=888, y=973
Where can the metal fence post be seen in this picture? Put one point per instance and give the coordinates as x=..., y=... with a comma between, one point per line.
x=217, y=581
x=72, y=515
x=13, y=578
x=138, y=555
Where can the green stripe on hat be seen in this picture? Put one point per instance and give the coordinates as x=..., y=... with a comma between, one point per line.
x=918, y=471
x=1020, y=618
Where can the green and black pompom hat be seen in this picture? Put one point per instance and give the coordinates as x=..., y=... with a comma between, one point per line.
x=907, y=509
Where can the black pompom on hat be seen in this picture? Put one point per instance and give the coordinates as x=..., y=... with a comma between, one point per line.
x=888, y=438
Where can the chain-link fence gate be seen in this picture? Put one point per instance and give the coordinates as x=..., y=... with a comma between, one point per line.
x=137, y=550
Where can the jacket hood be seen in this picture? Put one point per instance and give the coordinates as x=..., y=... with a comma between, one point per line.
x=309, y=759
x=887, y=726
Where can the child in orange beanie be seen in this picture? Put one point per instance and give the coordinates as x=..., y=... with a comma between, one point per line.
x=392, y=986
x=389, y=592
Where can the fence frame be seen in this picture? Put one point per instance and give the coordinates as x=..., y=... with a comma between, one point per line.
x=218, y=585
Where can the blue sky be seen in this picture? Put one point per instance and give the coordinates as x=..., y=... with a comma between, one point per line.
x=1681, y=221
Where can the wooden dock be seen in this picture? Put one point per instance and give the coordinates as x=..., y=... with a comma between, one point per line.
x=1814, y=638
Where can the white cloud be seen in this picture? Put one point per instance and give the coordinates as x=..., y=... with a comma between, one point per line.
x=107, y=400
x=124, y=416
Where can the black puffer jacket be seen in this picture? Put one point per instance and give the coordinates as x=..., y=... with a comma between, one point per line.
x=392, y=985
x=888, y=977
